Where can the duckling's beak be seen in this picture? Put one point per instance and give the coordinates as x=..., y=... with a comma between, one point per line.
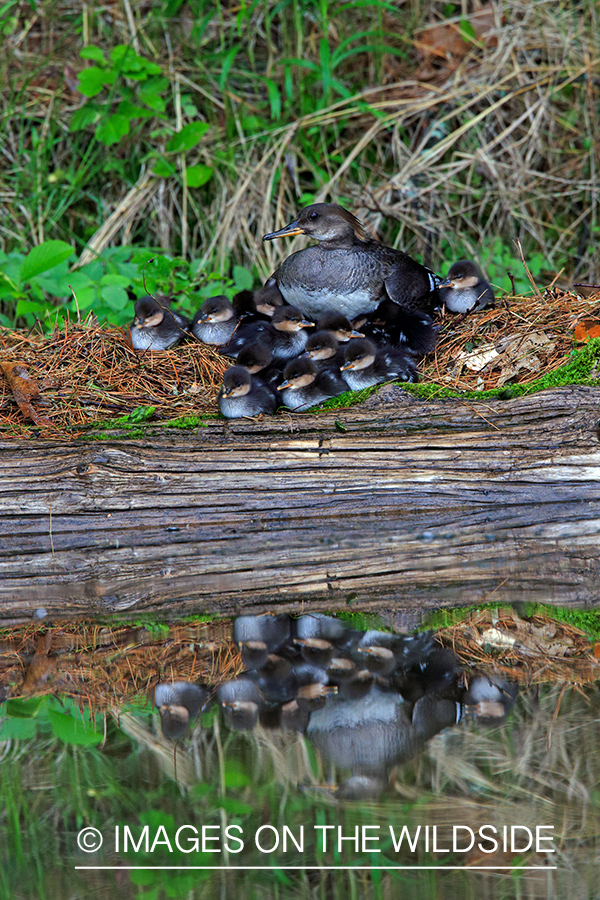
x=354, y=333
x=447, y=282
x=305, y=323
x=347, y=366
x=226, y=393
x=283, y=385
x=289, y=231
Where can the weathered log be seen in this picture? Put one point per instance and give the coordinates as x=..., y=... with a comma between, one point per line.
x=398, y=503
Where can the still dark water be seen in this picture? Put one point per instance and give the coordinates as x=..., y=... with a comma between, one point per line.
x=334, y=761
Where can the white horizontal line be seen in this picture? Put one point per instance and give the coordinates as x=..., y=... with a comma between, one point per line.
x=303, y=868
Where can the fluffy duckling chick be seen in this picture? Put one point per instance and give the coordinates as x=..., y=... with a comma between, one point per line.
x=365, y=364
x=245, y=395
x=305, y=386
x=324, y=350
x=268, y=298
x=347, y=271
x=289, y=337
x=179, y=704
x=320, y=625
x=465, y=289
x=215, y=322
x=317, y=651
x=155, y=326
x=391, y=324
x=258, y=359
x=340, y=326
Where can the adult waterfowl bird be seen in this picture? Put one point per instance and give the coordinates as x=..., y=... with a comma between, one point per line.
x=465, y=288
x=215, y=322
x=365, y=364
x=243, y=394
x=155, y=326
x=348, y=271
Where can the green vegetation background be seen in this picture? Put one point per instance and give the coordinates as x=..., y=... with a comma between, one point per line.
x=181, y=132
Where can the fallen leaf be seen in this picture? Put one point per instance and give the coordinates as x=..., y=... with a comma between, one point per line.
x=476, y=360
x=455, y=39
x=586, y=329
x=25, y=389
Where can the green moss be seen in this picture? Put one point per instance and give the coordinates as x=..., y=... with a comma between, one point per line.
x=585, y=619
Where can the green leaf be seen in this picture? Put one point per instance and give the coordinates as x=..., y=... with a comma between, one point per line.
x=94, y=79
x=17, y=729
x=113, y=129
x=235, y=777
x=73, y=730
x=86, y=115
x=114, y=278
x=131, y=111
x=44, y=257
x=187, y=138
x=196, y=176
x=163, y=168
x=226, y=66
x=467, y=32
x=242, y=278
x=24, y=709
x=274, y=98
x=92, y=52
x=114, y=296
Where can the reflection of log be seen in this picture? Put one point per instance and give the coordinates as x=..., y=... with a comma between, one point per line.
x=402, y=502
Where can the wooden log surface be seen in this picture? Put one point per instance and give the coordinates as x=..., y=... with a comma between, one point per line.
x=399, y=503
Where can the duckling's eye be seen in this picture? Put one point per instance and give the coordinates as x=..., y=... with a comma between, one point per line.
x=313, y=215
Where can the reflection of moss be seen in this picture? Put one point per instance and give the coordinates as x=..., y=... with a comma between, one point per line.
x=587, y=620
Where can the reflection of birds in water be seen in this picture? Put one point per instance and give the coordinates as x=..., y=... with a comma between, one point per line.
x=490, y=698
x=179, y=704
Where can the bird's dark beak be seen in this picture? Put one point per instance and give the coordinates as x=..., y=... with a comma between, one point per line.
x=354, y=333
x=289, y=231
x=447, y=282
x=305, y=323
x=347, y=366
x=283, y=385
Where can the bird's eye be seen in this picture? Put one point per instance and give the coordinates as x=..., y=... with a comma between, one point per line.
x=313, y=215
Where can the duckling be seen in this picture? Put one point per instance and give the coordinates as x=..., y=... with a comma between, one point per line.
x=215, y=322
x=268, y=298
x=178, y=704
x=325, y=351
x=272, y=630
x=242, y=394
x=317, y=651
x=240, y=715
x=465, y=289
x=289, y=337
x=365, y=364
x=392, y=324
x=155, y=326
x=319, y=625
x=348, y=271
x=305, y=386
x=339, y=325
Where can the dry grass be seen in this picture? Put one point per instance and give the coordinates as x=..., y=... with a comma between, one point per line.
x=537, y=650
x=109, y=665
x=105, y=666
x=442, y=153
x=87, y=375
x=531, y=336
